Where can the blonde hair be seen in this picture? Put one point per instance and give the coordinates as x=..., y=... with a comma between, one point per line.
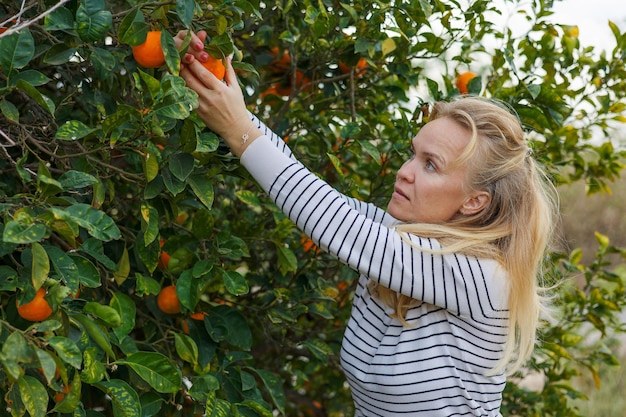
x=515, y=228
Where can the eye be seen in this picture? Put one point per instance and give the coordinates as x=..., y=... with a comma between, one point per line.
x=429, y=165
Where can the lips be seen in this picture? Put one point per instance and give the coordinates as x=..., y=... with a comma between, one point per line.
x=399, y=194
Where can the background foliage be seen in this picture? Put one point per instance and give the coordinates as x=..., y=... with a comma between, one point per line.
x=105, y=169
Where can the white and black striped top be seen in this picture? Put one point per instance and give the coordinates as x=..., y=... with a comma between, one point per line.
x=438, y=364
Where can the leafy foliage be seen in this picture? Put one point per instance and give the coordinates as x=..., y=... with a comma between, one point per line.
x=106, y=168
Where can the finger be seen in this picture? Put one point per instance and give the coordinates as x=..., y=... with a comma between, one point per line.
x=230, y=77
x=191, y=80
x=205, y=76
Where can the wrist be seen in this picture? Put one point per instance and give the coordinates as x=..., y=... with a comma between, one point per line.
x=240, y=142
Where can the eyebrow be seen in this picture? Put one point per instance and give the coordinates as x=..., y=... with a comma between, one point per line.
x=436, y=157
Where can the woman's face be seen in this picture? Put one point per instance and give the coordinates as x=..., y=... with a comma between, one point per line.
x=428, y=188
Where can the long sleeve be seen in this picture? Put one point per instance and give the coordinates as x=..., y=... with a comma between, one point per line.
x=370, y=247
x=367, y=209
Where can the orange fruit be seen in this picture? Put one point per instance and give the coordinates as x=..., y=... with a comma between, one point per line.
x=359, y=68
x=167, y=300
x=463, y=79
x=280, y=64
x=216, y=66
x=58, y=397
x=36, y=310
x=150, y=53
x=199, y=316
x=164, y=257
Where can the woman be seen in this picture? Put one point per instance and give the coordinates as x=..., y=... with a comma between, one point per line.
x=447, y=299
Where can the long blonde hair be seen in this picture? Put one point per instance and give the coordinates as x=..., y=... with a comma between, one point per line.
x=516, y=227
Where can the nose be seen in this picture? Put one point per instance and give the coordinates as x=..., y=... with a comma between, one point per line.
x=406, y=172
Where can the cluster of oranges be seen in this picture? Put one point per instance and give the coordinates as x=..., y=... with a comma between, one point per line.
x=291, y=80
x=150, y=54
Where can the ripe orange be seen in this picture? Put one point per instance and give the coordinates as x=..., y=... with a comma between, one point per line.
x=359, y=68
x=58, y=397
x=463, y=79
x=199, y=316
x=150, y=53
x=216, y=66
x=36, y=310
x=281, y=64
x=167, y=300
x=164, y=257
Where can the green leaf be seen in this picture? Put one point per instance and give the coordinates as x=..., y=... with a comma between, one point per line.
x=127, y=310
x=207, y=142
x=172, y=57
x=105, y=313
x=124, y=398
x=186, y=347
x=202, y=386
x=235, y=283
x=104, y=62
x=336, y=164
x=371, y=150
x=156, y=369
x=59, y=54
x=73, y=130
x=75, y=180
x=185, y=11
x=96, y=222
x=34, y=396
x=287, y=261
x=9, y=111
x=133, y=28
x=16, y=50
x=95, y=333
x=237, y=330
x=248, y=197
x=40, y=265
x=8, y=278
x=216, y=407
x=65, y=267
x=32, y=77
x=150, y=165
x=67, y=350
x=274, y=386
x=47, y=364
x=181, y=165
x=92, y=21
x=16, y=232
x=150, y=224
x=44, y=101
x=93, y=369
x=203, y=189
x=187, y=290
x=319, y=349
x=173, y=184
x=123, y=268
x=59, y=19
x=87, y=271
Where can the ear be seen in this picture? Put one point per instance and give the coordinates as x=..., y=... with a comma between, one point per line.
x=477, y=201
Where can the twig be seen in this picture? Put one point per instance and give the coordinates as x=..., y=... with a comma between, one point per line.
x=27, y=23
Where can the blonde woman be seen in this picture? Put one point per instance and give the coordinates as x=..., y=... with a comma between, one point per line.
x=447, y=300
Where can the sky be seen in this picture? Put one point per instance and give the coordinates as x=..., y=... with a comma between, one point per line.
x=592, y=18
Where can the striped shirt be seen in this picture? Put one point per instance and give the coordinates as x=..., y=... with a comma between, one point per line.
x=437, y=365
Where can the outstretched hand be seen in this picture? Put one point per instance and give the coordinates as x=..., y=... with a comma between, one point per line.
x=221, y=104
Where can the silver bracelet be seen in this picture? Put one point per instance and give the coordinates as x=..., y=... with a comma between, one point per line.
x=246, y=136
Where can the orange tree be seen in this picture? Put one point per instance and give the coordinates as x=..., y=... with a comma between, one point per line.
x=111, y=190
